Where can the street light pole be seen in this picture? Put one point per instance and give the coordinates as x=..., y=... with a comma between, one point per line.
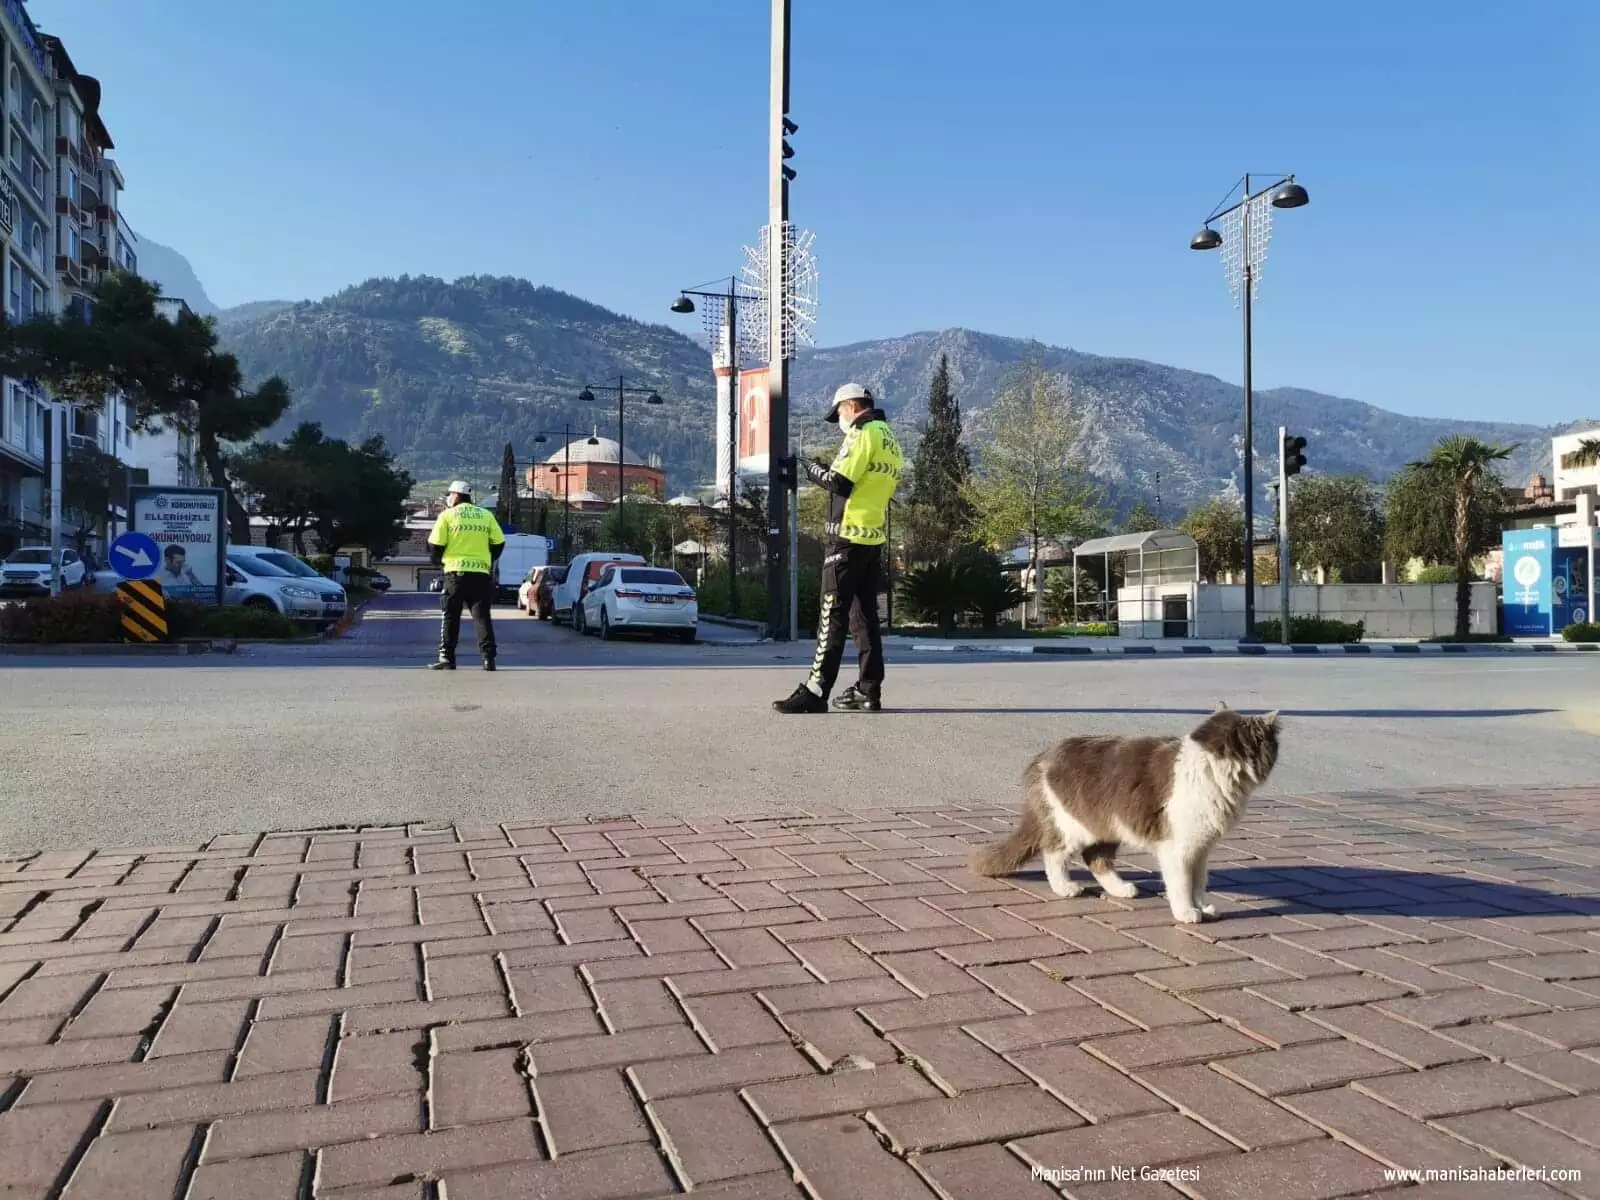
x=777, y=321
x=722, y=321
x=1249, y=225
x=623, y=391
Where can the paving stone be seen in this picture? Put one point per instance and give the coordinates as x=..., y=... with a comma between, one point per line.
x=728, y=1070
x=954, y=1059
x=269, y=1177
x=1515, y=1138
x=1086, y=1083
x=841, y=1092
x=982, y=1173
x=1577, y=1118
x=1413, y=1046
x=583, y=1110
x=988, y=1115
x=1259, y=1018
x=1373, y=1129
x=1458, y=1088
x=1316, y=1170
x=1565, y=1030
x=1224, y=1106
x=478, y=1087
x=614, y=1173
x=1307, y=1068
x=154, y=1157
x=1335, y=991
x=841, y=1156
x=1172, y=1046
x=1029, y=988
x=1458, y=1007
x=1061, y=1025
x=712, y=1137
x=312, y=1127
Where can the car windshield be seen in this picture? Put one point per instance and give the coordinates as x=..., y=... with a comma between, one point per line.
x=256, y=566
x=32, y=555
x=654, y=575
x=287, y=563
x=558, y=574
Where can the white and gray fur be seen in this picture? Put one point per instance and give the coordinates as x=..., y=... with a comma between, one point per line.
x=1172, y=797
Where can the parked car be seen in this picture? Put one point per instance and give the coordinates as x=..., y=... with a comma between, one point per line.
x=379, y=582
x=648, y=599
x=26, y=572
x=581, y=575
x=536, y=596
x=256, y=582
x=523, y=552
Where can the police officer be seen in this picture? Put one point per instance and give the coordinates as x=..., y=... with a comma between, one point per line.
x=860, y=483
x=466, y=541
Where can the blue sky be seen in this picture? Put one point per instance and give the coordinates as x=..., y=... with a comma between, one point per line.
x=1023, y=167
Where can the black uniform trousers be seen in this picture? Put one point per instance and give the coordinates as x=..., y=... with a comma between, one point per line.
x=851, y=581
x=473, y=590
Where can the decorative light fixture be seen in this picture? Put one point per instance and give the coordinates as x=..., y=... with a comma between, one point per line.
x=588, y=398
x=683, y=305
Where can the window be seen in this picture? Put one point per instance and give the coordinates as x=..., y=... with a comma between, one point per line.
x=36, y=244
x=14, y=294
x=16, y=152
x=36, y=122
x=72, y=187
x=38, y=299
x=14, y=87
x=73, y=244
x=36, y=175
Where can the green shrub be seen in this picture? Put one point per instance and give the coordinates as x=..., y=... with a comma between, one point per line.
x=1435, y=573
x=1582, y=631
x=712, y=596
x=1471, y=638
x=68, y=618
x=1312, y=630
x=248, y=623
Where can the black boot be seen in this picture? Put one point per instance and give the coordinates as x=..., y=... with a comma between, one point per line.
x=856, y=699
x=488, y=664
x=444, y=664
x=802, y=700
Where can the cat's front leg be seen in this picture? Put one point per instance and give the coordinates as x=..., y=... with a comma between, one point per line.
x=1056, y=871
x=1201, y=876
x=1177, y=874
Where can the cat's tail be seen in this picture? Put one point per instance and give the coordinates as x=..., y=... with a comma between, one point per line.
x=1008, y=856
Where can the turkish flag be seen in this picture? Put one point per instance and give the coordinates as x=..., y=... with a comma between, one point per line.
x=753, y=413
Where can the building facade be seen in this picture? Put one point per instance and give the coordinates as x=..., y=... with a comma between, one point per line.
x=592, y=470
x=1570, y=474
x=61, y=229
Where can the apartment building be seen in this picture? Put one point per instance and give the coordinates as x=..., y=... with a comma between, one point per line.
x=61, y=229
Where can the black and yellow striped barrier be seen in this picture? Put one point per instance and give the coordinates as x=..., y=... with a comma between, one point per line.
x=144, y=611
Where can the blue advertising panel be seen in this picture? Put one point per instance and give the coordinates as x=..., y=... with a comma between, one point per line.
x=1526, y=592
x=1569, y=581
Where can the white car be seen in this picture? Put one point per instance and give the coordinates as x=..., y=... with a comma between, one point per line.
x=647, y=599
x=255, y=581
x=26, y=572
x=582, y=574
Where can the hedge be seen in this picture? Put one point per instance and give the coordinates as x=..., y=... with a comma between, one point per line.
x=96, y=617
x=1311, y=630
x=1582, y=631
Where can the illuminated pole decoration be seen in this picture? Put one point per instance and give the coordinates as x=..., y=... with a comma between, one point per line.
x=1246, y=230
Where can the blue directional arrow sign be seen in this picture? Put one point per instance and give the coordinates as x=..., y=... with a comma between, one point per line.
x=135, y=555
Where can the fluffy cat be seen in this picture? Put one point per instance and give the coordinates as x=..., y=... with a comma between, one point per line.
x=1173, y=797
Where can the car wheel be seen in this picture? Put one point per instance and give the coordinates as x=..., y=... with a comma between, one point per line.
x=577, y=618
x=688, y=636
x=260, y=604
x=606, y=634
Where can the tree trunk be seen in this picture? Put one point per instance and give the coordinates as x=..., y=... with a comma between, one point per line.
x=238, y=519
x=1463, y=563
x=1038, y=583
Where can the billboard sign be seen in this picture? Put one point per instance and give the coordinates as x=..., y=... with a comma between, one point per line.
x=189, y=527
x=753, y=421
x=1527, y=595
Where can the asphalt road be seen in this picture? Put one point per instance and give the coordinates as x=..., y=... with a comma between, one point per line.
x=107, y=752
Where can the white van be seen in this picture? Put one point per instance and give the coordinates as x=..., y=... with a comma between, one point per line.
x=581, y=576
x=523, y=552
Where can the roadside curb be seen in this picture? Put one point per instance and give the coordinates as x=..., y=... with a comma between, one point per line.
x=111, y=649
x=1256, y=651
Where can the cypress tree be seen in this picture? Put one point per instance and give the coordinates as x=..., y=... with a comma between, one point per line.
x=941, y=470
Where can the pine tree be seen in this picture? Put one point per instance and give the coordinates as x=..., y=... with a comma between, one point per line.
x=506, y=509
x=941, y=518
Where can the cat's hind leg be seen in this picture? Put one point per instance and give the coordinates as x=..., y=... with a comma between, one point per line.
x=1064, y=839
x=1101, y=859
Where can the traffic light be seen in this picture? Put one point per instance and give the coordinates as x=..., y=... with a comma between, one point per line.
x=788, y=472
x=789, y=130
x=1294, y=458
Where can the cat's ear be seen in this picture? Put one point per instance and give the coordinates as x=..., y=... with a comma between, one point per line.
x=1270, y=718
x=1222, y=706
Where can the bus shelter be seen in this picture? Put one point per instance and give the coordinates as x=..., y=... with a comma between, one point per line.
x=1160, y=571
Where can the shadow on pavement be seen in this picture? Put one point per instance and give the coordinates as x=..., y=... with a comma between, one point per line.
x=1375, y=891
x=1360, y=713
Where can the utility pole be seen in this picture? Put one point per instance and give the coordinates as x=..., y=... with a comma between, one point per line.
x=1283, y=537
x=777, y=323
x=58, y=452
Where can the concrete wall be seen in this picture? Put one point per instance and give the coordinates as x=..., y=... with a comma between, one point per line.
x=1411, y=610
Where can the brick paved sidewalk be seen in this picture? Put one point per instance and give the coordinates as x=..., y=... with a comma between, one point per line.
x=824, y=1005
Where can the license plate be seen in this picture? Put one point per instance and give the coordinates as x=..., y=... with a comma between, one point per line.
x=333, y=610
x=661, y=599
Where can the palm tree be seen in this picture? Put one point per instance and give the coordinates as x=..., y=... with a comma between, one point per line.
x=1586, y=455
x=1463, y=461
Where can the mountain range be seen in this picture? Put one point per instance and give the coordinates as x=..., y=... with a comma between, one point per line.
x=448, y=372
